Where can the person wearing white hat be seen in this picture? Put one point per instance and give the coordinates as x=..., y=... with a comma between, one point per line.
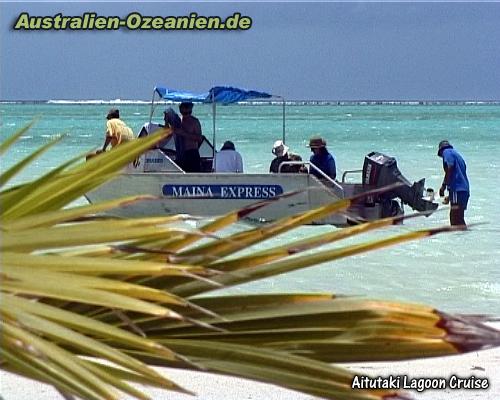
x=282, y=153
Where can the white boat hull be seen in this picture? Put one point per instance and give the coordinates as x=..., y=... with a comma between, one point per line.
x=210, y=194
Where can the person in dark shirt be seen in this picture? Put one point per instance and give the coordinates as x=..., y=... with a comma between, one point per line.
x=321, y=158
x=455, y=180
x=192, y=137
x=282, y=153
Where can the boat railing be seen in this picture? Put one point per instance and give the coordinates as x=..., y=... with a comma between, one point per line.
x=351, y=171
x=319, y=171
x=290, y=163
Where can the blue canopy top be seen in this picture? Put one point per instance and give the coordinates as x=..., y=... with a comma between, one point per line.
x=221, y=94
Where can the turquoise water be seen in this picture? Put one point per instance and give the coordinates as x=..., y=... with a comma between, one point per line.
x=455, y=272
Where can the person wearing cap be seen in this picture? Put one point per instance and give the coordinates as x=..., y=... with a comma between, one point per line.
x=455, y=180
x=117, y=132
x=321, y=158
x=191, y=139
x=228, y=159
x=282, y=153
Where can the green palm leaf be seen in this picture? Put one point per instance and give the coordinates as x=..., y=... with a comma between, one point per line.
x=70, y=184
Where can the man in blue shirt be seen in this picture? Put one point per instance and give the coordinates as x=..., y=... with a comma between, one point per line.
x=455, y=179
x=321, y=158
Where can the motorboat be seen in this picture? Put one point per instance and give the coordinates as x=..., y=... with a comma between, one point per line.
x=210, y=194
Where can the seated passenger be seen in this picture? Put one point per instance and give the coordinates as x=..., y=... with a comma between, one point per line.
x=228, y=159
x=282, y=153
x=321, y=158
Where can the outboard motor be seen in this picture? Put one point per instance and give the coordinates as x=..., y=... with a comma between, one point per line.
x=380, y=170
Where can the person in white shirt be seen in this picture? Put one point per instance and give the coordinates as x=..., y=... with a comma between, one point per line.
x=228, y=159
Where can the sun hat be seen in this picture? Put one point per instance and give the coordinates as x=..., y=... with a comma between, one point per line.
x=443, y=144
x=280, y=148
x=316, y=142
x=113, y=113
x=228, y=145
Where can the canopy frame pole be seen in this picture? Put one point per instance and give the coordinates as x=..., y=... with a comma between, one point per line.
x=214, y=110
x=152, y=106
x=284, y=103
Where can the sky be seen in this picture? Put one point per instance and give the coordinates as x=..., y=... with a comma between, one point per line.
x=299, y=50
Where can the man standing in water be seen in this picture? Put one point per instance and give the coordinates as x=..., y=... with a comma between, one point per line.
x=192, y=137
x=455, y=179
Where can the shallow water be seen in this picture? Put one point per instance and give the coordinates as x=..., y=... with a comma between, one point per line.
x=455, y=272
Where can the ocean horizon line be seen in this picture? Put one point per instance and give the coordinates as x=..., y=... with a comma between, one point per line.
x=260, y=102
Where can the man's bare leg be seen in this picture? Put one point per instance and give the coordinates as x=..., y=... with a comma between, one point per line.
x=457, y=215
